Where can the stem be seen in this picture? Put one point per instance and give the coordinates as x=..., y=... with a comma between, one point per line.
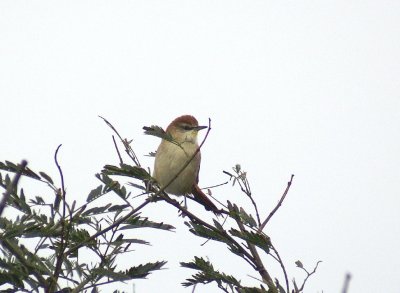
x=278, y=205
x=63, y=244
x=258, y=262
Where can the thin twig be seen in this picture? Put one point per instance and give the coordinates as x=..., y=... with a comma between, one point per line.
x=194, y=288
x=214, y=186
x=346, y=283
x=259, y=266
x=240, y=178
x=217, y=185
x=128, y=148
x=246, y=189
x=116, y=147
x=308, y=275
x=57, y=269
x=255, y=208
x=12, y=186
x=278, y=205
x=282, y=266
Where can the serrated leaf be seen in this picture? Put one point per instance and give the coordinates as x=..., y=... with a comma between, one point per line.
x=127, y=170
x=157, y=131
x=260, y=240
x=111, y=185
x=139, y=222
x=130, y=240
x=11, y=167
x=96, y=210
x=207, y=233
x=218, y=225
x=82, y=235
x=207, y=274
x=247, y=218
x=38, y=200
x=141, y=271
x=118, y=207
x=137, y=272
x=95, y=193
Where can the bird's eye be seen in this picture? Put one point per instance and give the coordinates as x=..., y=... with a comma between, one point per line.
x=187, y=127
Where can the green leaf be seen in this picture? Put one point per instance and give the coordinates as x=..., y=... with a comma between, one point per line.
x=141, y=271
x=253, y=290
x=11, y=167
x=140, y=222
x=157, y=131
x=247, y=218
x=207, y=233
x=112, y=185
x=207, y=274
x=46, y=177
x=130, y=240
x=39, y=201
x=95, y=193
x=127, y=170
x=19, y=201
x=260, y=240
x=118, y=207
x=218, y=225
x=96, y=210
x=137, y=272
x=140, y=187
x=78, y=236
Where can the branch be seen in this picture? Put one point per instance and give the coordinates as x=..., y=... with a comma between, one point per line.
x=248, y=257
x=12, y=186
x=282, y=266
x=116, y=147
x=278, y=205
x=308, y=274
x=258, y=262
x=346, y=283
x=128, y=148
x=57, y=269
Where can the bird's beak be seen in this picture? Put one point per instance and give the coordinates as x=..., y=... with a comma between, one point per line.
x=200, y=127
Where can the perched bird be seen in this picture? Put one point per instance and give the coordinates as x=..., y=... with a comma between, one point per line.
x=171, y=156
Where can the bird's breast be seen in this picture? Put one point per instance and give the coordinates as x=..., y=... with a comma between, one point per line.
x=169, y=160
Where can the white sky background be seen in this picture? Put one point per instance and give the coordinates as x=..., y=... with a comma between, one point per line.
x=304, y=87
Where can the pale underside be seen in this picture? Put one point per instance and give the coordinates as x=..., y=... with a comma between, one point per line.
x=170, y=158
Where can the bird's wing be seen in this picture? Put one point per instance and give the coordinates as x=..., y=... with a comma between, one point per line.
x=197, y=177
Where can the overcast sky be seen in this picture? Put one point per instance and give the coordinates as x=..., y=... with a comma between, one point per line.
x=310, y=88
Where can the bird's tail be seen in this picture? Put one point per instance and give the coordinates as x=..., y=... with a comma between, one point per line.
x=202, y=199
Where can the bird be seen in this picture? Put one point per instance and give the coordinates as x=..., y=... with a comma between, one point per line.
x=173, y=154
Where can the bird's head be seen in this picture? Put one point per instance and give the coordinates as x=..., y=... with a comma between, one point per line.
x=184, y=129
